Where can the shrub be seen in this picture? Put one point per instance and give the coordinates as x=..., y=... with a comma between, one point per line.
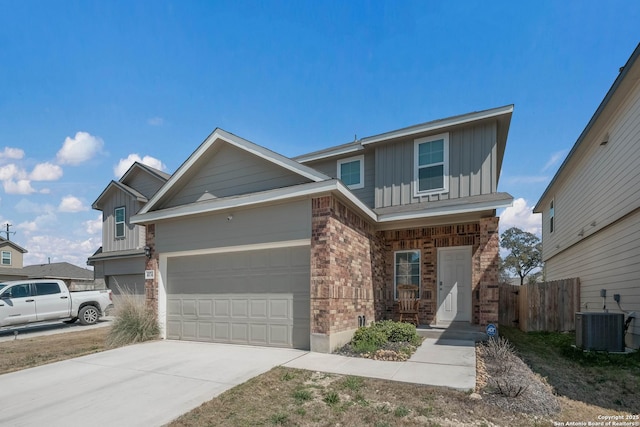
x=368, y=339
x=134, y=322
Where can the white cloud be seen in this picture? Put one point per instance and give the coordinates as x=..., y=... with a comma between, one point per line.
x=40, y=222
x=43, y=248
x=524, y=179
x=46, y=172
x=521, y=215
x=11, y=172
x=81, y=148
x=22, y=186
x=71, y=204
x=12, y=153
x=124, y=164
x=554, y=159
x=93, y=226
x=27, y=206
x=156, y=121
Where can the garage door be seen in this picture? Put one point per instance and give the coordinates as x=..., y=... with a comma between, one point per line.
x=257, y=297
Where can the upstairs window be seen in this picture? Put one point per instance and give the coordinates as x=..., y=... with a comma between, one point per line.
x=551, y=217
x=351, y=172
x=431, y=169
x=119, y=217
x=6, y=258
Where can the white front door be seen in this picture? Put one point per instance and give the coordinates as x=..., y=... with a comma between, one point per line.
x=454, y=285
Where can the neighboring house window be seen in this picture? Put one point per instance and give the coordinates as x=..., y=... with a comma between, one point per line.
x=431, y=171
x=551, y=217
x=407, y=270
x=351, y=172
x=119, y=215
x=6, y=258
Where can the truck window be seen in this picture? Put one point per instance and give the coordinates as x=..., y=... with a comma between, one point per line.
x=18, y=291
x=47, y=288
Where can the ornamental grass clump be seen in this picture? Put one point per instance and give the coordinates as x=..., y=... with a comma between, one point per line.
x=134, y=322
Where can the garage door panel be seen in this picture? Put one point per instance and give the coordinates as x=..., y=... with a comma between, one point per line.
x=256, y=297
x=189, y=329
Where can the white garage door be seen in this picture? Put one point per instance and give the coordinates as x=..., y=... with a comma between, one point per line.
x=257, y=297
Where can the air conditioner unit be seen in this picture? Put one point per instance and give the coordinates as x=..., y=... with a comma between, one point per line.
x=600, y=331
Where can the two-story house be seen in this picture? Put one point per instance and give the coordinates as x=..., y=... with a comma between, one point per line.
x=249, y=246
x=591, y=209
x=120, y=261
x=11, y=259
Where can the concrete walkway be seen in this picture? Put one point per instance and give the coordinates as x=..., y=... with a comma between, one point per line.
x=153, y=383
x=438, y=362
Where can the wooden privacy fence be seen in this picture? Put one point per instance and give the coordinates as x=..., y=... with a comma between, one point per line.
x=549, y=306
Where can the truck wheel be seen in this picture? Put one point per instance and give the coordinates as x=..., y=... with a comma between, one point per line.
x=70, y=321
x=88, y=315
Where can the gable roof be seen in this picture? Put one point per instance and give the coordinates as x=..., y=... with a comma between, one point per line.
x=58, y=270
x=438, y=125
x=120, y=186
x=217, y=137
x=5, y=242
x=628, y=75
x=163, y=176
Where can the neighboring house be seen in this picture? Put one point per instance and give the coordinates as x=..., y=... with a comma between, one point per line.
x=591, y=209
x=11, y=259
x=248, y=246
x=76, y=278
x=120, y=261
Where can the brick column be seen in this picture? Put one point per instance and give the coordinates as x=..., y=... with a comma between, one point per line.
x=489, y=267
x=151, y=285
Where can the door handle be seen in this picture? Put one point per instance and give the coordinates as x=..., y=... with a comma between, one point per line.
x=29, y=300
x=64, y=297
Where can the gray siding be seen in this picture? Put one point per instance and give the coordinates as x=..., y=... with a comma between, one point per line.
x=275, y=223
x=123, y=266
x=602, y=186
x=330, y=168
x=607, y=260
x=230, y=171
x=134, y=234
x=472, y=167
x=144, y=183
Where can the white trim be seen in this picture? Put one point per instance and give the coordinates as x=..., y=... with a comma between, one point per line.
x=360, y=159
x=439, y=124
x=253, y=199
x=477, y=207
x=395, y=271
x=417, y=167
x=116, y=222
x=240, y=248
x=328, y=153
x=2, y=257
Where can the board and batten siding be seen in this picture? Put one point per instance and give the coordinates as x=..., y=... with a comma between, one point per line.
x=134, y=234
x=472, y=167
x=609, y=259
x=602, y=186
x=231, y=171
x=249, y=226
x=330, y=168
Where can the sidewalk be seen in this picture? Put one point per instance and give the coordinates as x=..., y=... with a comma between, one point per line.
x=437, y=362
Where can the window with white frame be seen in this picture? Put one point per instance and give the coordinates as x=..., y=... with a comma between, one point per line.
x=407, y=270
x=6, y=258
x=351, y=172
x=431, y=169
x=551, y=217
x=119, y=215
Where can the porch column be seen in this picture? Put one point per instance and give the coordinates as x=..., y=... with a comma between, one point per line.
x=489, y=269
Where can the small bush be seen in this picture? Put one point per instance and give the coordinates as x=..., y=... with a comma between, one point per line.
x=369, y=339
x=134, y=322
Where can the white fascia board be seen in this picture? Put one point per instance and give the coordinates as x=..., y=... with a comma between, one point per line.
x=235, y=202
x=344, y=190
x=476, y=207
x=440, y=124
x=327, y=154
x=273, y=157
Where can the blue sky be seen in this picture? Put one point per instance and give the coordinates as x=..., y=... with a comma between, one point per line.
x=86, y=87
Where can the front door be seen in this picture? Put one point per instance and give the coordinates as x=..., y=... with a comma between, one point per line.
x=454, y=285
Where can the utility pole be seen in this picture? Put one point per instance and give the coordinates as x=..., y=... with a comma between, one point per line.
x=7, y=232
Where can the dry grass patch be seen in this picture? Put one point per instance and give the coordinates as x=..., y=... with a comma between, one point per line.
x=27, y=353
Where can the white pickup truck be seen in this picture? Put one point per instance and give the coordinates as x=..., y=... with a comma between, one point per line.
x=46, y=300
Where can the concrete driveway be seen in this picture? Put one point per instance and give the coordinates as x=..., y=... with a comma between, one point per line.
x=141, y=385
